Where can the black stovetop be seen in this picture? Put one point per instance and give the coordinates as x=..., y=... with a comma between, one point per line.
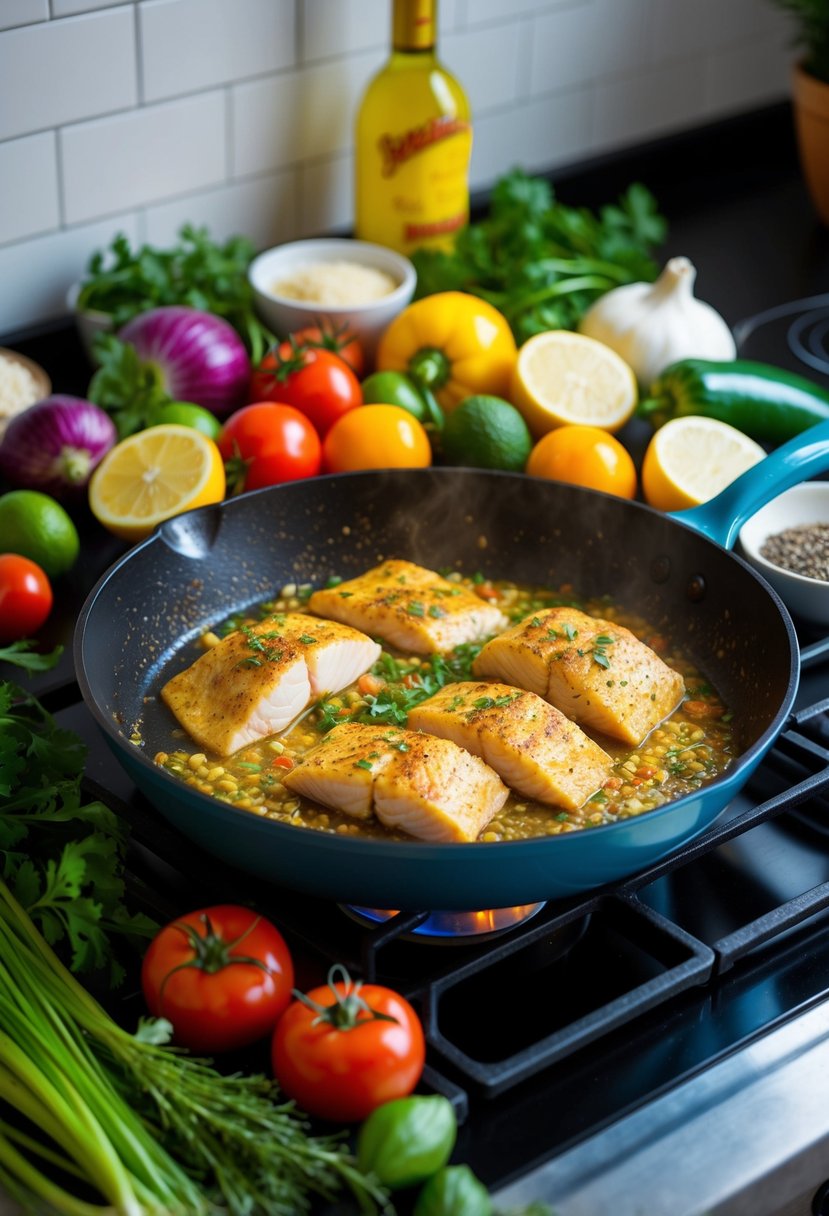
x=552, y=1031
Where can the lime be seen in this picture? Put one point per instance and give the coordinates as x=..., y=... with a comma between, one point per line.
x=487, y=433
x=187, y=414
x=37, y=527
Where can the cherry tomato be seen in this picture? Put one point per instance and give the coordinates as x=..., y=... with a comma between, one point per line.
x=585, y=456
x=345, y=1048
x=221, y=975
x=25, y=597
x=312, y=380
x=265, y=444
x=376, y=437
x=340, y=341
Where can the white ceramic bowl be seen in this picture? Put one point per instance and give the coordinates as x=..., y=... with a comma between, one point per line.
x=807, y=503
x=368, y=321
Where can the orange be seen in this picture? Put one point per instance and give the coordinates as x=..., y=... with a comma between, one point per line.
x=584, y=456
x=151, y=476
x=376, y=437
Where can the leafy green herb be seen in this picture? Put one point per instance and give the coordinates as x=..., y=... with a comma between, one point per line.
x=436, y=611
x=197, y=271
x=22, y=654
x=60, y=856
x=415, y=608
x=308, y=639
x=542, y=263
x=366, y=764
x=130, y=390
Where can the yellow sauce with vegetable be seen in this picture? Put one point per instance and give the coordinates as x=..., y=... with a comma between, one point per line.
x=692, y=747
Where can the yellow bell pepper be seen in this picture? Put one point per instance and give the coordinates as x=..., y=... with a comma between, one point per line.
x=452, y=344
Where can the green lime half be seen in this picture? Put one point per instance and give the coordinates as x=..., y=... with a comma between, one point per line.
x=487, y=433
x=194, y=416
x=37, y=527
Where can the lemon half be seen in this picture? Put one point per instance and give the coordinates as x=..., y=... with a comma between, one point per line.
x=692, y=459
x=561, y=378
x=151, y=476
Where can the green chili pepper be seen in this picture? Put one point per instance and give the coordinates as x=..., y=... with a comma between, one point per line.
x=404, y=1141
x=766, y=402
x=396, y=388
x=453, y=1191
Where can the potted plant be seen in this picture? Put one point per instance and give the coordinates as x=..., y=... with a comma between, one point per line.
x=811, y=96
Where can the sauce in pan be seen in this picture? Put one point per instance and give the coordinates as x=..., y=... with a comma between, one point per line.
x=691, y=747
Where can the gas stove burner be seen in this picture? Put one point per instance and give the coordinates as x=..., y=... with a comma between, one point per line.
x=453, y=927
x=808, y=339
x=794, y=335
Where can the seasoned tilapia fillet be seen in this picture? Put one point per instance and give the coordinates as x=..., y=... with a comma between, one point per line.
x=260, y=677
x=410, y=607
x=596, y=672
x=427, y=787
x=533, y=747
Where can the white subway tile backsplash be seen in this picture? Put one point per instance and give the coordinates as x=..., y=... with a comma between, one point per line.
x=239, y=114
x=43, y=269
x=332, y=28
x=747, y=76
x=263, y=209
x=326, y=196
x=22, y=12
x=143, y=156
x=196, y=44
x=648, y=103
x=68, y=8
x=297, y=116
x=538, y=134
x=29, y=186
x=486, y=62
x=60, y=71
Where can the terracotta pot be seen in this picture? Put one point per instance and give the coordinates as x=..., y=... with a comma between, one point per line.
x=811, y=113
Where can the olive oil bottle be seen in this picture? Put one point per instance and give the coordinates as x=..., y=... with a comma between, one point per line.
x=413, y=142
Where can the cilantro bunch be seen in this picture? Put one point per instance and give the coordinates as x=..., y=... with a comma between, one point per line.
x=542, y=263
x=198, y=272
x=60, y=855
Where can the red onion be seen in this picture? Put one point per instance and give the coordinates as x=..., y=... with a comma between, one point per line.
x=200, y=357
x=55, y=444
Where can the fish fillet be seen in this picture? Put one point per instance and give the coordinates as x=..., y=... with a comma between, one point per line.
x=533, y=747
x=259, y=678
x=596, y=672
x=418, y=784
x=410, y=607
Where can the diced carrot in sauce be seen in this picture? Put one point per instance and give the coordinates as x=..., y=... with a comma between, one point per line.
x=613, y=783
x=703, y=709
x=369, y=685
x=486, y=591
x=283, y=762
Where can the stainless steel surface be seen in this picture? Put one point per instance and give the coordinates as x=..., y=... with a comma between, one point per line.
x=748, y=1137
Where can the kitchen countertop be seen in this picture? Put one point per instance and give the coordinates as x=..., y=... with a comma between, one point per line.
x=736, y=206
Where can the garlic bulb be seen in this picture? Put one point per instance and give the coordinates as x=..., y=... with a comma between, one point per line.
x=652, y=325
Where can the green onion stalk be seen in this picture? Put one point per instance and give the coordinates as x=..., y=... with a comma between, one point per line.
x=120, y=1123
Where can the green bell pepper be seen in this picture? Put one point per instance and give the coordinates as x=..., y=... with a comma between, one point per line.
x=396, y=388
x=761, y=400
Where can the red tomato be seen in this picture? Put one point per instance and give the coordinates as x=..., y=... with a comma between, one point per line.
x=355, y=1047
x=310, y=379
x=339, y=341
x=265, y=444
x=221, y=975
x=25, y=597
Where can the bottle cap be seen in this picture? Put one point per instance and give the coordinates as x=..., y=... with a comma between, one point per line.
x=413, y=25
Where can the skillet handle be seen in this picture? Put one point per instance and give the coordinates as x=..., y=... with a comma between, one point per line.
x=722, y=517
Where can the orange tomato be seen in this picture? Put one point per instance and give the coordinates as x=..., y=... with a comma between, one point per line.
x=376, y=437
x=584, y=456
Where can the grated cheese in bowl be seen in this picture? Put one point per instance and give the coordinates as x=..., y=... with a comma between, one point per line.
x=335, y=283
x=19, y=387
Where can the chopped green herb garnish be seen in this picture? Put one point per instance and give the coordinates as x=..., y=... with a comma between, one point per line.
x=436, y=611
x=307, y=639
x=366, y=764
x=415, y=608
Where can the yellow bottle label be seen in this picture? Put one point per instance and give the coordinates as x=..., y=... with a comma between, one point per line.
x=414, y=189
